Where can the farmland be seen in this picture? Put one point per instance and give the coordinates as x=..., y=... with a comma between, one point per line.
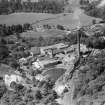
x=49, y=33
x=67, y=19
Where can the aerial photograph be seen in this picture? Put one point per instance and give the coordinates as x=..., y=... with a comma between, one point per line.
x=52, y=52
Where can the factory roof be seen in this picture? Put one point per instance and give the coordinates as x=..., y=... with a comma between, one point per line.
x=58, y=46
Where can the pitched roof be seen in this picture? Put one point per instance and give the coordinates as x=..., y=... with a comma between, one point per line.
x=35, y=50
x=59, y=45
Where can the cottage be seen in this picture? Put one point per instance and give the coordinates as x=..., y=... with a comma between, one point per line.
x=35, y=51
x=22, y=61
x=37, y=65
x=83, y=48
x=40, y=77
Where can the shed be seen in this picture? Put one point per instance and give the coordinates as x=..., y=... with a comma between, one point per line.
x=35, y=50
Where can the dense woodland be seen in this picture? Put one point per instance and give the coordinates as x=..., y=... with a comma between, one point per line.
x=42, y=93
x=14, y=29
x=92, y=9
x=91, y=79
x=42, y=6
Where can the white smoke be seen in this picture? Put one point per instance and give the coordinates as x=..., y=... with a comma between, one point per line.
x=76, y=16
x=101, y=4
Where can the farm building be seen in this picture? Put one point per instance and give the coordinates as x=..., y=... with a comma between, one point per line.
x=35, y=51
x=37, y=65
x=22, y=61
x=40, y=77
x=83, y=48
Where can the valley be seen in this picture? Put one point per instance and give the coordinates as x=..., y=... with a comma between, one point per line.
x=51, y=55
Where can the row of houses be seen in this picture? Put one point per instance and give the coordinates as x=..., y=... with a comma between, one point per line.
x=43, y=27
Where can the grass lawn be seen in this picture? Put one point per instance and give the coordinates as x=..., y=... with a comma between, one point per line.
x=48, y=33
x=67, y=20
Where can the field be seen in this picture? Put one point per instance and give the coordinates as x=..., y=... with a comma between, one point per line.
x=21, y=18
x=44, y=18
x=67, y=20
x=50, y=33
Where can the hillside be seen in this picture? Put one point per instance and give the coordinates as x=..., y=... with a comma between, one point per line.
x=52, y=58
x=95, y=8
x=87, y=83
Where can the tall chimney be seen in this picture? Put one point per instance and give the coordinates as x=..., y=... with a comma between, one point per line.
x=78, y=42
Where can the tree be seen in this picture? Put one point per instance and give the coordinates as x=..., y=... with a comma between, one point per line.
x=60, y=27
x=3, y=52
x=3, y=90
x=38, y=95
x=93, y=21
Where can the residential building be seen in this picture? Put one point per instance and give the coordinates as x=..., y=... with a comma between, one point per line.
x=12, y=78
x=35, y=51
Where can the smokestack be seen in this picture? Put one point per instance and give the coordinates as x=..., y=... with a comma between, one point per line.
x=78, y=37
x=76, y=16
x=78, y=42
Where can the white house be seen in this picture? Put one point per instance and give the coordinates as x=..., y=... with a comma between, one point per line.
x=60, y=88
x=22, y=61
x=12, y=78
x=37, y=65
x=83, y=48
x=39, y=77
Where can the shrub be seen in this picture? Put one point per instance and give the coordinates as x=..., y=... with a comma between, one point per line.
x=38, y=95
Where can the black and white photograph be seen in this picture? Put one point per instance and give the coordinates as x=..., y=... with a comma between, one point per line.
x=52, y=52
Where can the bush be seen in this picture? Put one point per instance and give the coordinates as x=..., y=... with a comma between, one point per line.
x=3, y=52
x=97, y=43
x=3, y=90
x=60, y=27
x=38, y=95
